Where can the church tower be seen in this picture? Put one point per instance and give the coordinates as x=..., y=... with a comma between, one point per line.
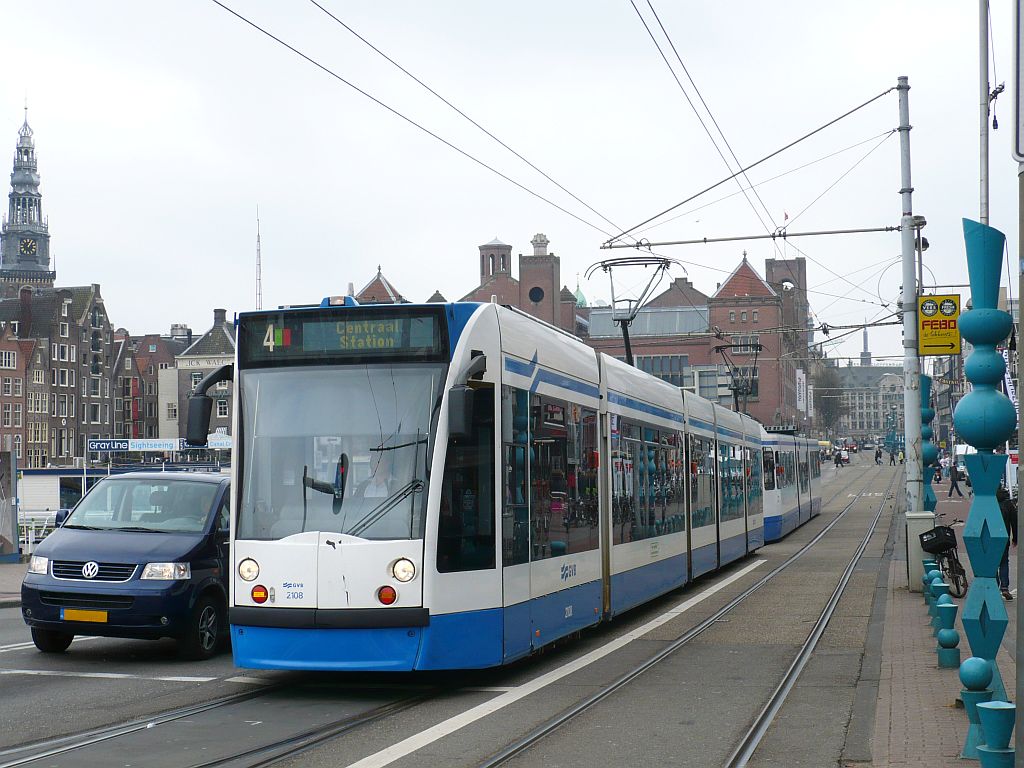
x=24, y=235
x=865, y=356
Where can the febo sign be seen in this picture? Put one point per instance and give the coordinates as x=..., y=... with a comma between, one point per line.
x=938, y=331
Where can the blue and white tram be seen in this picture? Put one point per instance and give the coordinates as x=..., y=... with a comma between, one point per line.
x=458, y=485
x=792, y=482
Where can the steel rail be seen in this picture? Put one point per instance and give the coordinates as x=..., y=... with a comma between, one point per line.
x=750, y=741
x=59, y=745
x=537, y=734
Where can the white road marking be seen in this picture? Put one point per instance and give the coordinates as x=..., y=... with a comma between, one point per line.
x=248, y=680
x=489, y=689
x=430, y=735
x=105, y=675
x=30, y=644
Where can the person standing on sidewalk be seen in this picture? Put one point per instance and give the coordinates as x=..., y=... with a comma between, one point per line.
x=954, y=487
x=1009, y=510
x=892, y=459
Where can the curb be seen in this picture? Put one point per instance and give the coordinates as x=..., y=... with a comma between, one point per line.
x=14, y=602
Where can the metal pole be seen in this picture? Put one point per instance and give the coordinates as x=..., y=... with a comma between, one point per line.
x=984, y=92
x=917, y=520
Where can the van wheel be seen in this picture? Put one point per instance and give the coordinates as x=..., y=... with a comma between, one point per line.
x=51, y=641
x=202, y=637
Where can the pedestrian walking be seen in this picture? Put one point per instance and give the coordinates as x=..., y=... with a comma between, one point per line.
x=901, y=457
x=945, y=462
x=953, y=486
x=892, y=459
x=1008, y=508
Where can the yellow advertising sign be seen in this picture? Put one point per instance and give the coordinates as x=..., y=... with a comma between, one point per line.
x=938, y=331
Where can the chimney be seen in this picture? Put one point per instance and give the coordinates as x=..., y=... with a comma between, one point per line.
x=351, y=289
x=25, y=326
x=219, y=316
x=540, y=244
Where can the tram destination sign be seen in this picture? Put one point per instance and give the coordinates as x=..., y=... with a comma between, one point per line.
x=938, y=325
x=342, y=335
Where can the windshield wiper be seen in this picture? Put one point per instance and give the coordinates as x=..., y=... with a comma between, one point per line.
x=83, y=527
x=137, y=528
x=337, y=489
x=392, y=501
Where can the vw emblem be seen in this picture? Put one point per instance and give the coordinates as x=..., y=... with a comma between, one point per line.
x=90, y=569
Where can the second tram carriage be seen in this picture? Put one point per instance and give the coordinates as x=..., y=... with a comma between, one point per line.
x=457, y=485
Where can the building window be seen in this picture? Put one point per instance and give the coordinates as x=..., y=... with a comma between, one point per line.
x=14, y=327
x=62, y=352
x=65, y=330
x=5, y=420
x=197, y=378
x=64, y=310
x=172, y=411
x=222, y=409
x=17, y=414
x=127, y=363
x=164, y=366
x=743, y=317
x=222, y=386
x=74, y=353
x=152, y=347
x=17, y=446
x=38, y=376
x=118, y=404
x=732, y=317
x=753, y=316
x=7, y=385
x=94, y=413
x=744, y=345
x=670, y=368
x=9, y=360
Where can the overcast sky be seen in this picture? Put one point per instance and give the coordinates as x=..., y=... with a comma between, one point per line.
x=160, y=127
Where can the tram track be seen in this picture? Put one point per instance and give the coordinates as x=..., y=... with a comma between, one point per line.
x=293, y=744
x=762, y=723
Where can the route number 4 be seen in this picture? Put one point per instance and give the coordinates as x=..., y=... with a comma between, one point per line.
x=268, y=339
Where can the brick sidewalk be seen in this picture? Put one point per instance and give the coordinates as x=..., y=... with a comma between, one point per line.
x=917, y=722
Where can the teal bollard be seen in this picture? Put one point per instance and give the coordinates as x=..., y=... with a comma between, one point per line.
x=940, y=601
x=932, y=576
x=948, y=638
x=975, y=674
x=926, y=580
x=935, y=587
x=997, y=718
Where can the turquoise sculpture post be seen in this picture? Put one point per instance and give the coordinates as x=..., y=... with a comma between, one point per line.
x=976, y=675
x=929, y=453
x=948, y=638
x=997, y=719
x=985, y=418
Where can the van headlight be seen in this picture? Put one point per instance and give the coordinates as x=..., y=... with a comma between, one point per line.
x=403, y=570
x=167, y=571
x=248, y=569
x=38, y=564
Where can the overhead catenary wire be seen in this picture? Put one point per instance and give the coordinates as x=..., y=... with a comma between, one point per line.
x=770, y=179
x=462, y=114
x=409, y=120
x=767, y=157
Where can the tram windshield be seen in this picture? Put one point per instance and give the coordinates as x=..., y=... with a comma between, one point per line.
x=340, y=449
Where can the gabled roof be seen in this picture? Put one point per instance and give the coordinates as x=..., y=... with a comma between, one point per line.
x=219, y=340
x=744, y=281
x=45, y=309
x=495, y=241
x=380, y=291
x=437, y=298
x=680, y=293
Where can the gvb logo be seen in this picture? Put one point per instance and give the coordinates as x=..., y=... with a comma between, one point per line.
x=568, y=571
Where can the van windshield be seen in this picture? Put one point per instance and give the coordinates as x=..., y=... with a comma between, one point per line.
x=134, y=504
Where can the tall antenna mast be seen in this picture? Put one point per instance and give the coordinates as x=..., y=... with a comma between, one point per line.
x=259, y=265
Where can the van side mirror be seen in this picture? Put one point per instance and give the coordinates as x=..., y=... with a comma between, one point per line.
x=200, y=409
x=200, y=406
x=61, y=517
x=460, y=412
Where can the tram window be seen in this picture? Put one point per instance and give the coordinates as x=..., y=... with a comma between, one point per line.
x=730, y=473
x=804, y=475
x=675, y=518
x=769, y=470
x=755, y=493
x=515, y=515
x=702, y=482
x=563, y=447
x=465, y=529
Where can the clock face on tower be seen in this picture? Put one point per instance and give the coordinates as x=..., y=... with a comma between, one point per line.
x=27, y=247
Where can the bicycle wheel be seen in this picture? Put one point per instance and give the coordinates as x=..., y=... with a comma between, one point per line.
x=954, y=573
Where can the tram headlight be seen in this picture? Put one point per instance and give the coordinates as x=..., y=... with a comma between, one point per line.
x=248, y=569
x=403, y=570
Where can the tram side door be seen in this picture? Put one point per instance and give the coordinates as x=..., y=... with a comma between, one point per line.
x=515, y=523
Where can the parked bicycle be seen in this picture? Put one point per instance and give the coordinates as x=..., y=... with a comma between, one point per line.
x=940, y=541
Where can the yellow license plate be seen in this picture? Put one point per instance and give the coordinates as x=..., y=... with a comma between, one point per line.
x=75, y=614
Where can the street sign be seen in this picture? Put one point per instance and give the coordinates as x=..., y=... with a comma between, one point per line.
x=937, y=325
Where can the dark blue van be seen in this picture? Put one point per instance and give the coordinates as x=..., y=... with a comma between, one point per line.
x=142, y=555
